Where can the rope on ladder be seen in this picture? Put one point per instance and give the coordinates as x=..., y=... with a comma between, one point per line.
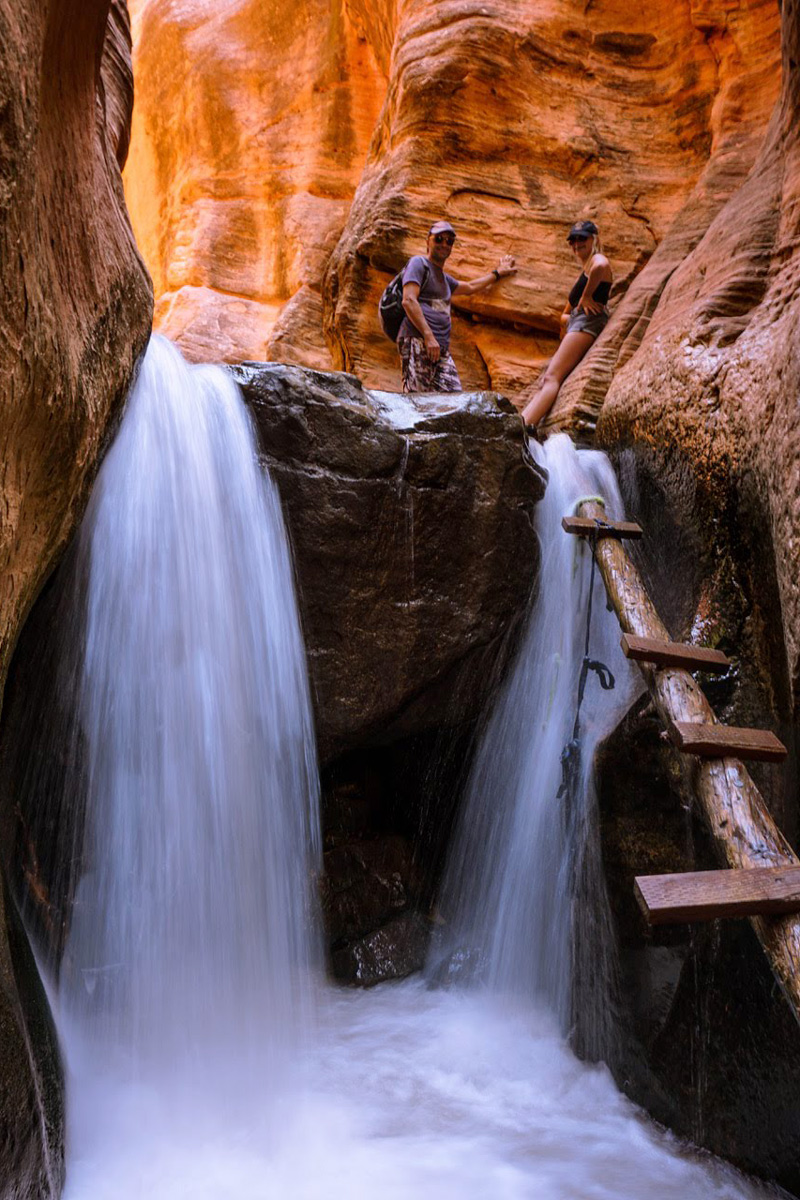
x=571, y=754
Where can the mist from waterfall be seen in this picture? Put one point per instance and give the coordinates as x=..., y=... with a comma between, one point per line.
x=523, y=893
x=191, y=930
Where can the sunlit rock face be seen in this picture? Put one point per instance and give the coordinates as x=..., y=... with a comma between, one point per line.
x=252, y=123
x=287, y=159
x=707, y=405
x=75, y=307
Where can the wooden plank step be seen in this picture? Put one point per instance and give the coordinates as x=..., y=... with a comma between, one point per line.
x=726, y=741
x=673, y=654
x=583, y=526
x=706, y=895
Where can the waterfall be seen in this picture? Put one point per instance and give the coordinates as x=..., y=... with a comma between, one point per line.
x=167, y=778
x=523, y=890
x=197, y=838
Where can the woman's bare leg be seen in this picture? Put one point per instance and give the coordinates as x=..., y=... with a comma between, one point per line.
x=566, y=358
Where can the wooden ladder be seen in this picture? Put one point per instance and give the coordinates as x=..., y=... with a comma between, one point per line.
x=762, y=879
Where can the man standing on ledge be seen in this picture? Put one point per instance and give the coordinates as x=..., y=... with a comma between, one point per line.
x=424, y=336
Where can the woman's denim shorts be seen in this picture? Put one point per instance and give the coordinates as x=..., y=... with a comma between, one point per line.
x=581, y=322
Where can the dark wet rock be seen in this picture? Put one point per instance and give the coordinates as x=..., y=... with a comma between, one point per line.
x=705, y=1041
x=75, y=313
x=413, y=541
x=31, y=1076
x=364, y=882
x=394, y=951
x=386, y=819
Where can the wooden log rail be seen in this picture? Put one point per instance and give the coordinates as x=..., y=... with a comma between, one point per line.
x=744, y=833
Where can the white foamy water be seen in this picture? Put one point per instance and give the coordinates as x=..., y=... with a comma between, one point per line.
x=405, y=1094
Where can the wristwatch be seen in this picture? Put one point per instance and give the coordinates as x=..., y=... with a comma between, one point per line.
x=495, y=272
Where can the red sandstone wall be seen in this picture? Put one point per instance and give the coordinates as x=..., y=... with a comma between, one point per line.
x=287, y=158
x=251, y=127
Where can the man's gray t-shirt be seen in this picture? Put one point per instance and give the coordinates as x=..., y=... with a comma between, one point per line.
x=435, y=290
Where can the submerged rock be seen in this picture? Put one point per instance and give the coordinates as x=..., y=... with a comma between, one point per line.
x=464, y=966
x=411, y=525
x=395, y=950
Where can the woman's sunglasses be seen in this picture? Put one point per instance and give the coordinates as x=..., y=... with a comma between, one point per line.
x=577, y=241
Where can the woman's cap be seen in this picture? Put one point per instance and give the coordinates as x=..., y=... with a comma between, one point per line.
x=582, y=229
x=441, y=227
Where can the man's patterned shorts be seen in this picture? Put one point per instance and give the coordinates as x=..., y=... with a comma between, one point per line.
x=422, y=375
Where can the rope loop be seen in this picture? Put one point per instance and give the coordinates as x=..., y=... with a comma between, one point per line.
x=607, y=681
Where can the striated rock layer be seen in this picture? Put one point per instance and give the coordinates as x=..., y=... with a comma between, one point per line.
x=711, y=393
x=252, y=123
x=286, y=160
x=696, y=383
x=75, y=307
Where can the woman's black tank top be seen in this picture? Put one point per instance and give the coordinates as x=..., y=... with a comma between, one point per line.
x=601, y=292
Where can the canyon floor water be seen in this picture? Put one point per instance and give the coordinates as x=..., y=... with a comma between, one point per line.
x=400, y=1092
x=207, y=1059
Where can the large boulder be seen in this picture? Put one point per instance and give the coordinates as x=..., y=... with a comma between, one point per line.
x=410, y=521
x=75, y=307
x=411, y=524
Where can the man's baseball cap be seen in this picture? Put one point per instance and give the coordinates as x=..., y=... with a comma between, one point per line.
x=582, y=229
x=441, y=227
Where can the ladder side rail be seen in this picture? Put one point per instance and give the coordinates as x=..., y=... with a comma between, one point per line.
x=742, y=828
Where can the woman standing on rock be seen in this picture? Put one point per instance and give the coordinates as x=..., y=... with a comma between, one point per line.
x=584, y=317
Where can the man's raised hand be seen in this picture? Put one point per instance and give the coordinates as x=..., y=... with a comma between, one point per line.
x=506, y=266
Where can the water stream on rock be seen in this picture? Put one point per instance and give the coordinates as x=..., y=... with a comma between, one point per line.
x=524, y=892
x=203, y=1062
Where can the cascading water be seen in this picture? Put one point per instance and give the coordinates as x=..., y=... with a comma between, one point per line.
x=201, y=824
x=187, y=964
x=185, y=978
x=523, y=886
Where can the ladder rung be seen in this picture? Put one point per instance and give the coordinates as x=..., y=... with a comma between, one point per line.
x=673, y=654
x=725, y=741
x=584, y=526
x=706, y=895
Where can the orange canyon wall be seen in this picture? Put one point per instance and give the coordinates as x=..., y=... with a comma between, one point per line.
x=287, y=157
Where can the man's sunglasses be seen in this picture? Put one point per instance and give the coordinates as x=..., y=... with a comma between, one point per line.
x=449, y=238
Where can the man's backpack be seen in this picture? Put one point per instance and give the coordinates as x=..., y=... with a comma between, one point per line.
x=390, y=305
